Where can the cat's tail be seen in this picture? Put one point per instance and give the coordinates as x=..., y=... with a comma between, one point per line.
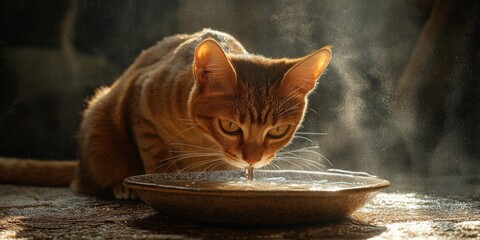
x=37, y=172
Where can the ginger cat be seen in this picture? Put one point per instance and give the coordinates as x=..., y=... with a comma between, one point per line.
x=189, y=103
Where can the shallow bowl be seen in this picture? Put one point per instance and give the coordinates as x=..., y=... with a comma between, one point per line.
x=247, y=206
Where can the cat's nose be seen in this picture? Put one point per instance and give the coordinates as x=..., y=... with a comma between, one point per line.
x=251, y=161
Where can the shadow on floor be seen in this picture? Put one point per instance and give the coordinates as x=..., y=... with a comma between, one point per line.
x=348, y=228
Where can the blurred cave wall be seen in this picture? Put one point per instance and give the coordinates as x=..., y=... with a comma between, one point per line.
x=401, y=93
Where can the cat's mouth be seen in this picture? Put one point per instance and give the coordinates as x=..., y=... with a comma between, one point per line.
x=242, y=164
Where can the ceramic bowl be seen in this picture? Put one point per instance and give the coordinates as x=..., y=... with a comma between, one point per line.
x=213, y=205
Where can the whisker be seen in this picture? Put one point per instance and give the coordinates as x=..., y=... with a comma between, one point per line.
x=311, y=133
x=198, y=164
x=320, y=155
x=187, y=121
x=291, y=95
x=208, y=167
x=222, y=164
x=275, y=165
x=292, y=109
x=288, y=154
x=172, y=163
x=175, y=159
x=190, y=155
x=310, y=147
x=304, y=138
x=295, y=164
x=281, y=164
x=289, y=109
x=189, y=151
x=229, y=167
x=308, y=152
x=312, y=167
x=194, y=146
x=267, y=167
x=189, y=128
x=300, y=167
x=272, y=166
x=304, y=161
x=313, y=110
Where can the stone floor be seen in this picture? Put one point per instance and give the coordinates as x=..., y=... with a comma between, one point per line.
x=447, y=208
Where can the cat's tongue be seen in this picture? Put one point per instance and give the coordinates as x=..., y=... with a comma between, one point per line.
x=249, y=173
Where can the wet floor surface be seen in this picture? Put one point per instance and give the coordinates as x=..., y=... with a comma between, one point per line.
x=421, y=208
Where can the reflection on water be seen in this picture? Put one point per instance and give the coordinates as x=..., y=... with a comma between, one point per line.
x=268, y=184
x=249, y=173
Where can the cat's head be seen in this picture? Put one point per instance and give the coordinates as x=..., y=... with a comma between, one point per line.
x=251, y=105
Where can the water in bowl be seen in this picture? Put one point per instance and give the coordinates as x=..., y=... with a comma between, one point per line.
x=267, y=184
x=249, y=173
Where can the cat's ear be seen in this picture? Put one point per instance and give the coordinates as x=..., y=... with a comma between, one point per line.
x=213, y=71
x=302, y=77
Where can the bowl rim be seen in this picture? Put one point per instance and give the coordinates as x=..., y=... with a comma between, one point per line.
x=132, y=182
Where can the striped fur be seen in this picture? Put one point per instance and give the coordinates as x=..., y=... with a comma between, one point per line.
x=163, y=113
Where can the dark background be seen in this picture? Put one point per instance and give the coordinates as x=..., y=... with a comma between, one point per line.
x=401, y=94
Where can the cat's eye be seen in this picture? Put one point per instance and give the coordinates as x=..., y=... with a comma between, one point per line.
x=278, y=132
x=229, y=127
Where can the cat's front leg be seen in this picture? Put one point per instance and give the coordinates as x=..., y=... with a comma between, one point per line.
x=156, y=155
x=121, y=192
x=158, y=159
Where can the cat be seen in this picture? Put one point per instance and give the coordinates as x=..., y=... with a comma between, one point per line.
x=192, y=102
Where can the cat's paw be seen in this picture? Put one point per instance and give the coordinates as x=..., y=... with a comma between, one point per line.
x=123, y=193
